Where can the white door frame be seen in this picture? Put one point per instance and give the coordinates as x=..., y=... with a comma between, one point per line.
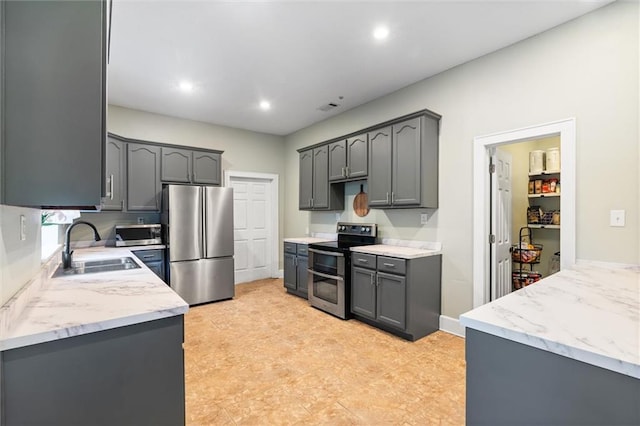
x=566, y=129
x=273, y=226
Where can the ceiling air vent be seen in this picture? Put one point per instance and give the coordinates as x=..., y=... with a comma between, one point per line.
x=328, y=107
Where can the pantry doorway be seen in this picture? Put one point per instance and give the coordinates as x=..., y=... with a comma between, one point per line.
x=484, y=269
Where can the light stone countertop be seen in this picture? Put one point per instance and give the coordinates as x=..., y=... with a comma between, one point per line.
x=307, y=240
x=404, y=249
x=590, y=313
x=80, y=304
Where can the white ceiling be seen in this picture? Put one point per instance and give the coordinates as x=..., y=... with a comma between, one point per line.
x=301, y=55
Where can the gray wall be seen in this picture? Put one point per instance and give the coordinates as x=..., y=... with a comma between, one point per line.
x=587, y=69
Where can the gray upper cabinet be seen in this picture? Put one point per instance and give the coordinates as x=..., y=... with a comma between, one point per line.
x=348, y=159
x=190, y=166
x=207, y=167
x=176, y=165
x=54, y=102
x=337, y=160
x=379, y=181
x=115, y=175
x=320, y=199
x=403, y=164
x=315, y=191
x=143, y=177
x=306, y=180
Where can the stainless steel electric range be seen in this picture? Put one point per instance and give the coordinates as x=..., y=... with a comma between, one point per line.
x=329, y=280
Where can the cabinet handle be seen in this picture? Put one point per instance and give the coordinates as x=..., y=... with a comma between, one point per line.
x=148, y=256
x=390, y=265
x=377, y=281
x=393, y=197
x=363, y=260
x=372, y=279
x=387, y=199
x=343, y=172
x=111, y=187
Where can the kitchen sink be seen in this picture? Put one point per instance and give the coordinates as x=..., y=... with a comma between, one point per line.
x=94, y=266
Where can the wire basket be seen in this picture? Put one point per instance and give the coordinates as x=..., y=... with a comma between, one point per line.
x=530, y=254
x=522, y=278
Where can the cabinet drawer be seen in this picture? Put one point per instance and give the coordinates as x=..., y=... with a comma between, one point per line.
x=363, y=260
x=392, y=265
x=303, y=250
x=149, y=255
x=290, y=248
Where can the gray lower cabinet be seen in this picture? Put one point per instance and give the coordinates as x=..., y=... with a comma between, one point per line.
x=509, y=383
x=296, y=259
x=401, y=296
x=403, y=164
x=190, y=166
x=154, y=259
x=132, y=375
x=53, y=97
x=348, y=159
x=143, y=177
x=115, y=174
x=315, y=191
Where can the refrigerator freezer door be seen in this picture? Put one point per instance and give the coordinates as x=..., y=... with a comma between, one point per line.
x=185, y=222
x=218, y=222
x=202, y=281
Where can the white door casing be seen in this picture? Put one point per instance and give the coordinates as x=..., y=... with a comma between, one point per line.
x=501, y=224
x=255, y=224
x=566, y=130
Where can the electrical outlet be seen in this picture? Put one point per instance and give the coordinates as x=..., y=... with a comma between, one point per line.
x=337, y=216
x=141, y=220
x=23, y=228
x=616, y=218
x=424, y=218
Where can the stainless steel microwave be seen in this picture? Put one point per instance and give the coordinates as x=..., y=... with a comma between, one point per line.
x=138, y=235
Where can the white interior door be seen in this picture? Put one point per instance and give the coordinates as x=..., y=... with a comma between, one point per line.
x=501, y=223
x=253, y=235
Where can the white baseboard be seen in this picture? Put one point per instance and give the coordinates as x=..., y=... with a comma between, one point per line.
x=280, y=273
x=451, y=325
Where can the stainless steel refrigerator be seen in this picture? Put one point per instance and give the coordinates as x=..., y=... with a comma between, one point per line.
x=198, y=229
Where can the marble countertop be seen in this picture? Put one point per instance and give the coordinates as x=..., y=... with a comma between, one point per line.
x=404, y=249
x=306, y=240
x=590, y=313
x=74, y=305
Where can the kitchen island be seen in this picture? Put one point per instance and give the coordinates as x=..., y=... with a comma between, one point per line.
x=101, y=348
x=565, y=350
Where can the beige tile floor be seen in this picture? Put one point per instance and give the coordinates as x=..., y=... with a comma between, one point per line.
x=267, y=358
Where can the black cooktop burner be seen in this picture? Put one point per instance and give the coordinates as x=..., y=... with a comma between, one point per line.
x=341, y=246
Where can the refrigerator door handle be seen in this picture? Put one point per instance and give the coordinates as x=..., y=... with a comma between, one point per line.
x=203, y=234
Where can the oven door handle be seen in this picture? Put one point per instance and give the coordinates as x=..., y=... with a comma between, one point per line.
x=320, y=274
x=328, y=253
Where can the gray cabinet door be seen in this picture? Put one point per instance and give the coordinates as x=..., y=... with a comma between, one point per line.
x=337, y=160
x=320, y=198
x=290, y=273
x=54, y=102
x=357, y=156
x=302, y=279
x=363, y=292
x=114, y=175
x=406, y=188
x=206, y=168
x=143, y=177
x=379, y=180
x=176, y=165
x=391, y=303
x=305, y=180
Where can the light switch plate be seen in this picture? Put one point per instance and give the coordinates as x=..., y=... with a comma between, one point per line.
x=23, y=228
x=616, y=218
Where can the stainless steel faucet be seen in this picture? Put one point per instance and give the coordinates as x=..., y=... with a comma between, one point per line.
x=67, y=252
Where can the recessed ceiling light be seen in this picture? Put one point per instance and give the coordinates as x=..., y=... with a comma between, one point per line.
x=265, y=105
x=186, y=86
x=381, y=32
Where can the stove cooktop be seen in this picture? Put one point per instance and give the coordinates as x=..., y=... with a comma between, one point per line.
x=349, y=235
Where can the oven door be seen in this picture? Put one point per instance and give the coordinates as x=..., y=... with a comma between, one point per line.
x=326, y=282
